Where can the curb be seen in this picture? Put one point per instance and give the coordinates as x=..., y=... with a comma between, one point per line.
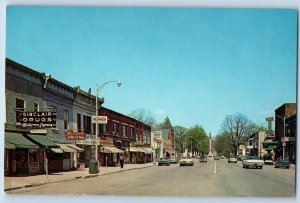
x=73, y=178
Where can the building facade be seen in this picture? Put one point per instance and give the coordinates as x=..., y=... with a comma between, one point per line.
x=285, y=128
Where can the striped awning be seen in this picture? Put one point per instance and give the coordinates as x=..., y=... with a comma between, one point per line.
x=75, y=147
x=111, y=149
x=66, y=148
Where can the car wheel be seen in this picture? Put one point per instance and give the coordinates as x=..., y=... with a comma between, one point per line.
x=261, y=167
x=287, y=167
x=243, y=166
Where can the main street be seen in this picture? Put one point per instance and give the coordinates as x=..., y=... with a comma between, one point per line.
x=202, y=179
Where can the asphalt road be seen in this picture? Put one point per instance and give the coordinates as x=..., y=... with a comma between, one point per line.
x=201, y=180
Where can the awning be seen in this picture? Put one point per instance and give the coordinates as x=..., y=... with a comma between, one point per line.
x=9, y=146
x=19, y=141
x=57, y=150
x=110, y=149
x=75, y=147
x=66, y=148
x=43, y=140
x=134, y=149
x=148, y=150
x=270, y=143
x=170, y=151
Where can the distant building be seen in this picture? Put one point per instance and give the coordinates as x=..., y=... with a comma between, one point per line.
x=255, y=147
x=286, y=114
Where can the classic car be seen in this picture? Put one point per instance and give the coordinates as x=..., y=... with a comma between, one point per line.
x=164, y=161
x=186, y=162
x=241, y=157
x=216, y=157
x=282, y=163
x=232, y=159
x=173, y=160
x=269, y=162
x=253, y=161
x=202, y=159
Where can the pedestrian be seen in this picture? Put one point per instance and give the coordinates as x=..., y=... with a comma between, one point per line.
x=121, y=161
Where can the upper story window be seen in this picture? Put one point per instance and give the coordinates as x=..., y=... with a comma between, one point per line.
x=115, y=128
x=20, y=104
x=66, y=119
x=87, y=124
x=79, y=122
x=132, y=132
x=124, y=131
x=36, y=106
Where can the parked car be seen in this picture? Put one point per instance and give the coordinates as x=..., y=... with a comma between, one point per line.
x=173, y=160
x=253, y=161
x=216, y=157
x=186, y=162
x=269, y=161
x=164, y=161
x=202, y=159
x=241, y=157
x=282, y=163
x=232, y=159
x=222, y=157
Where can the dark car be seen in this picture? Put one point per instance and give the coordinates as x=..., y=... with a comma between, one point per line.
x=173, y=160
x=282, y=163
x=164, y=161
x=216, y=157
x=202, y=159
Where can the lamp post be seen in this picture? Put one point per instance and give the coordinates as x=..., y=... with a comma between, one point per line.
x=98, y=89
x=283, y=138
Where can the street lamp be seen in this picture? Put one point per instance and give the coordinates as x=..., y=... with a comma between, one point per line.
x=98, y=89
x=283, y=139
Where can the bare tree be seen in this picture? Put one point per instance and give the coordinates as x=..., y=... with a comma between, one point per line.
x=144, y=116
x=236, y=127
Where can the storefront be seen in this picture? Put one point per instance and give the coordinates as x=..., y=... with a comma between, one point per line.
x=68, y=154
x=110, y=155
x=24, y=159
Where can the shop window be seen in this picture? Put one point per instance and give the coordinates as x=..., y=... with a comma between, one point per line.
x=33, y=158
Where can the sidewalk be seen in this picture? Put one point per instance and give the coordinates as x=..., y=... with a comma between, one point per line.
x=17, y=182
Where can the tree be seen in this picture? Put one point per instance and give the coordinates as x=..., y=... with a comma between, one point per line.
x=180, y=137
x=223, y=145
x=197, y=140
x=236, y=128
x=144, y=116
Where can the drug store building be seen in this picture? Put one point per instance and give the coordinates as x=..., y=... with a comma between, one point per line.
x=33, y=128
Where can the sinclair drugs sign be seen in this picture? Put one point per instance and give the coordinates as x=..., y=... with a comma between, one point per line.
x=36, y=119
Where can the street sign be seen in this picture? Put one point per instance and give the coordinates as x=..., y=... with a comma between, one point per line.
x=99, y=120
x=283, y=140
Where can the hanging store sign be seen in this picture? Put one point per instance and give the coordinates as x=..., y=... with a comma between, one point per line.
x=36, y=119
x=70, y=135
x=99, y=120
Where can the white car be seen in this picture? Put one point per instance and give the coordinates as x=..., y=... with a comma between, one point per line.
x=186, y=162
x=232, y=159
x=253, y=161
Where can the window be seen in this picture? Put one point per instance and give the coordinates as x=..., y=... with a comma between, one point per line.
x=79, y=122
x=132, y=133
x=144, y=138
x=137, y=137
x=87, y=124
x=115, y=128
x=124, y=131
x=66, y=119
x=20, y=104
x=36, y=106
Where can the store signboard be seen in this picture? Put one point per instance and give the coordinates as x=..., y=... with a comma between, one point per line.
x=36, y=119
x=70, y=135
x=99, y=119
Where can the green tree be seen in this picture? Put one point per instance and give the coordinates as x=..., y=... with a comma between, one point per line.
x=197, y=140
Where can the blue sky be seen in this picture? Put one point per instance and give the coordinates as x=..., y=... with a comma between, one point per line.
x=192, y=65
